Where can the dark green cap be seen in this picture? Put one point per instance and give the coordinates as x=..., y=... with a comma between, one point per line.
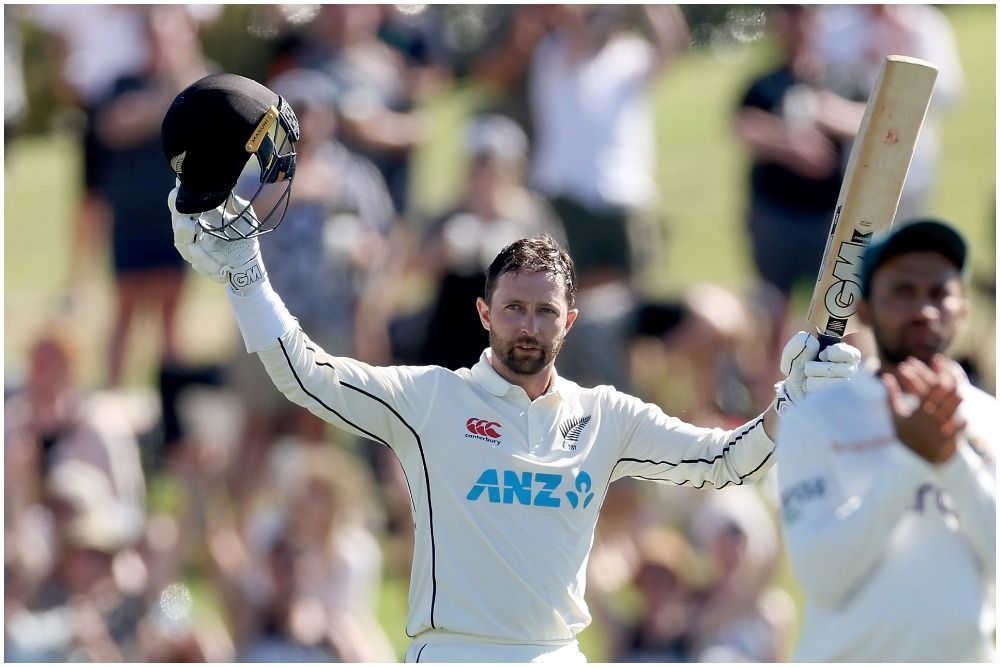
x=924, y=235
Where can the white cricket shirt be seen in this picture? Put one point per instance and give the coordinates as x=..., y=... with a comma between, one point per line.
x=896, y=556
x=505, y=491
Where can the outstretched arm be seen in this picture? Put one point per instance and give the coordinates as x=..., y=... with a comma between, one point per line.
x=663, y=448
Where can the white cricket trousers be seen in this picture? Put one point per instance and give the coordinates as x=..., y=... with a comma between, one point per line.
x=438, y=649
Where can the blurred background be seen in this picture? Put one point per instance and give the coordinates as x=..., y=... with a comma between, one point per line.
x=163, y=503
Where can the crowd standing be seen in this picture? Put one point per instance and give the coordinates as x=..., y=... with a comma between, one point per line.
x=207, y=519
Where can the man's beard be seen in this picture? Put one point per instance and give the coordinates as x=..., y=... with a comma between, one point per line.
x=904, y=346
x=507, y=352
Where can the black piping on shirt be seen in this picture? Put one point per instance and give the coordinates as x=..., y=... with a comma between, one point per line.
x=374, y=437
x=718, y=456
x=380, y=441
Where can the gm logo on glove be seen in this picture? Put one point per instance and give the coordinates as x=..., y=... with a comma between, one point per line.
x=243, y=279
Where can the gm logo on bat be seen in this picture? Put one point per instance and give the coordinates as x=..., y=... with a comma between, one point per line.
x=536, y=489
x=842, y=296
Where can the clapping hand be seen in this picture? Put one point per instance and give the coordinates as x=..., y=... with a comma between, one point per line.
x=932, y=428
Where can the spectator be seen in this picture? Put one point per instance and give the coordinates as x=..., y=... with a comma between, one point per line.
x=853, y=41
x=665, y=580
x=88, y=609
x=15, y=97
x=93, y=46
x=496, y=209
x=594, y=157
x=312, y=595
x=795, y=131
x=739, y=617
x=418, y=32
x=589, y=80
x=703, y=334
x=52, y=420
x=502, y=63
x=713, y=605
x=128, y=124
x=376, y=86
x=74, y=500
x=615, y=556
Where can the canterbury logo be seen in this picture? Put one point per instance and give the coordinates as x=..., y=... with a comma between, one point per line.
x=572, y=429
x=177, y=163
x=484, y=427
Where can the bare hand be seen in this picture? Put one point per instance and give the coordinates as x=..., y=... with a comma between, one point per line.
x=933, y=427
x=810, y=153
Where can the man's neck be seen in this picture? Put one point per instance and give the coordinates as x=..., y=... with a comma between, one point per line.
x=533, y=385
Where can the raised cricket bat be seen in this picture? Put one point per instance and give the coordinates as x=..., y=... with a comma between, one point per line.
x=869, y=194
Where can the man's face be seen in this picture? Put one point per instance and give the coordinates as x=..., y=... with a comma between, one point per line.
x=528, y=318
x=915, y=305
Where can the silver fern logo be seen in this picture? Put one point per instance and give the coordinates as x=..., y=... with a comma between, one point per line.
x=572, y=430
x=177, y=163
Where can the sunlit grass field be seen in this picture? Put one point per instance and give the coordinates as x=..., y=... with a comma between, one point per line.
x=701, y=174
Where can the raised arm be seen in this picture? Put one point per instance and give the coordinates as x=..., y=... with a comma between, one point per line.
x=671, y=36
x=663, y=448
x=658, y=447
x=386, y=405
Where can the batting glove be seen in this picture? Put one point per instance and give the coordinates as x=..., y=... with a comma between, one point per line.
x=806, y=372
x=235, y=262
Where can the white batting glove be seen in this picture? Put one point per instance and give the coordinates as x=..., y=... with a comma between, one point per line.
x=806, y=372
x=235, y=262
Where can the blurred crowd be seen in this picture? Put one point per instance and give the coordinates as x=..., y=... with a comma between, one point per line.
x=205, y=518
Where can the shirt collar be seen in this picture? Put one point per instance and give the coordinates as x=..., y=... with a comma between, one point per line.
x=487, y=377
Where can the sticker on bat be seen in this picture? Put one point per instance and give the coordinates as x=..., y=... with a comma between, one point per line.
x=842, y=295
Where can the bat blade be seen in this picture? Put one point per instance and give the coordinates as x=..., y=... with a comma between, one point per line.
x=872, y=185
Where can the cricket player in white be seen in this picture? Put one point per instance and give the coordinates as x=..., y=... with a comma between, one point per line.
x=888, y=481
x=507, y=463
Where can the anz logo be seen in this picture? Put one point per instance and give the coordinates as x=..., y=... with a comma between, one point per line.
x=536, y=489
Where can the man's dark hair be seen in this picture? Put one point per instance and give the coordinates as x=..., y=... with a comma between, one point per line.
x=540, y=254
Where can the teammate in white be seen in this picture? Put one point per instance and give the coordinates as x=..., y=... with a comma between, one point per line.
x=888, y=481
x=507, y=463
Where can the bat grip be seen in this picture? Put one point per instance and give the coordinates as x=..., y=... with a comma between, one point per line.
x=826, y=341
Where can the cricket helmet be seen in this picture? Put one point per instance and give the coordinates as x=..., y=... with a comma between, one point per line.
x=210, y=132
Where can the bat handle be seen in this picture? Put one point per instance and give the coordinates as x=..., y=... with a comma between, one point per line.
x=826, y=341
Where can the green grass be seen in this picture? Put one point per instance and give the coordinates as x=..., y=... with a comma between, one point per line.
x=701, y=173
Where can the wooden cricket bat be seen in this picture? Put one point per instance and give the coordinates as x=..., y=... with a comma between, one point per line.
x=869, y=194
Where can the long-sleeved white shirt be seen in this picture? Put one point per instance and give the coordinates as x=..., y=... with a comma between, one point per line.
x=896, y=556
x=505, y=491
